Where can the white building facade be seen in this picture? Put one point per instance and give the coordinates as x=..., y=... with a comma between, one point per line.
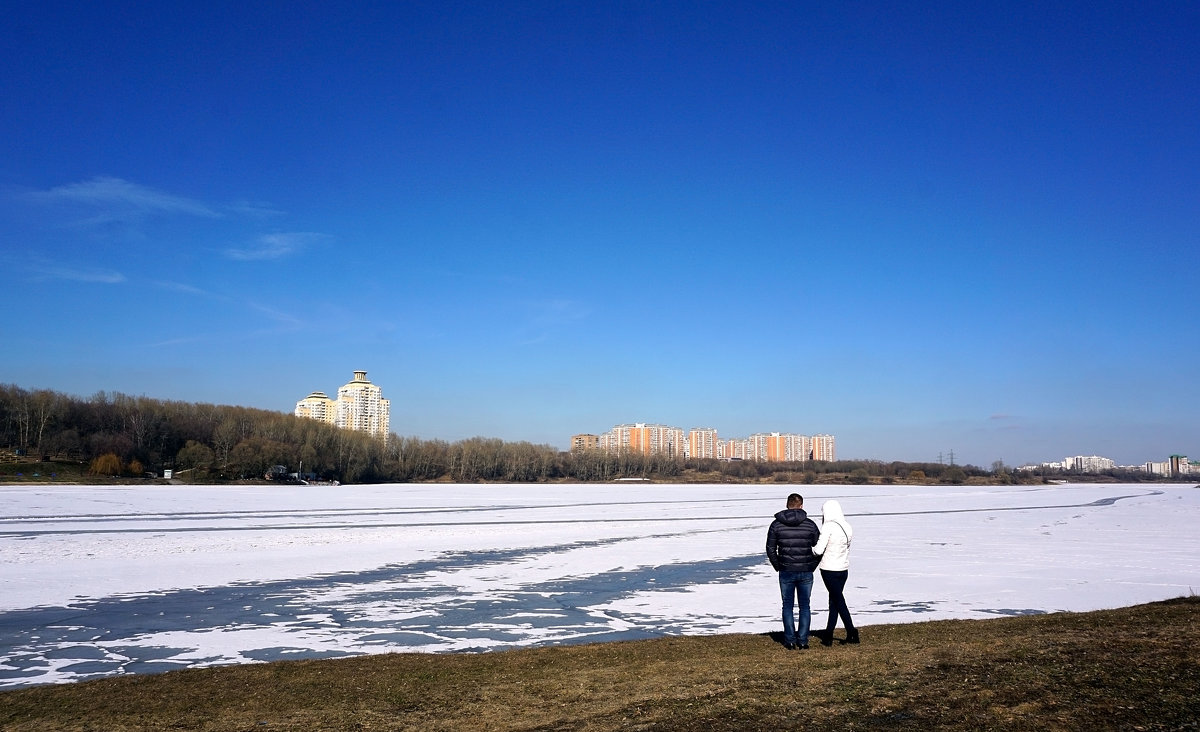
x=702, y=443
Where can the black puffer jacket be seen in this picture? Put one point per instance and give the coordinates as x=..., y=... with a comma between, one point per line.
x=790, y=541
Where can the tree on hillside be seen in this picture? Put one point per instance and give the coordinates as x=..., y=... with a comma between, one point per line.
x=195, y=455
x=107, y=464
x=955, y=475
x=45, y=406
x=224, y=437
x=254, y=456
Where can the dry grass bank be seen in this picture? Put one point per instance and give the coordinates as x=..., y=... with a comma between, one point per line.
x=1134, y=668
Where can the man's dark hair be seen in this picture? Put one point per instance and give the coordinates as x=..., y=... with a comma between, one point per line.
x=795, y=500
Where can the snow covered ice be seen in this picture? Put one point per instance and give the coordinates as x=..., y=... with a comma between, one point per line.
x=99, y=581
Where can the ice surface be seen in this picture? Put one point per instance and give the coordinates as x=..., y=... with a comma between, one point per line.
x=109, y=580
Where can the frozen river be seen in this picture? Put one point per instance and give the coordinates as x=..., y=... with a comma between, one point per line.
x=98, y=581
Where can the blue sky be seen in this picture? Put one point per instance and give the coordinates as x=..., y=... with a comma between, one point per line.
x=921, y=230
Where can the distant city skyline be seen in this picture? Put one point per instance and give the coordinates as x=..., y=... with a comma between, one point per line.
x=704, y=442
x=1174, y=465
x=928, y=228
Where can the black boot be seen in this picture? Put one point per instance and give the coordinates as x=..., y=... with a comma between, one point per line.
x=852, y=635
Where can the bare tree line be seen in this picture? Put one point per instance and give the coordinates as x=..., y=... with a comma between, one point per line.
x=220, y=443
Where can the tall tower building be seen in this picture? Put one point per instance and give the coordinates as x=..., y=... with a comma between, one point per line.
x=361, y=406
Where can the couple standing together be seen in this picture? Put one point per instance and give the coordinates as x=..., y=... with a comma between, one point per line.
x=796, y=547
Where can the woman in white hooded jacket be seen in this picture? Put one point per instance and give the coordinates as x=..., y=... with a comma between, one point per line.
x=834, y=548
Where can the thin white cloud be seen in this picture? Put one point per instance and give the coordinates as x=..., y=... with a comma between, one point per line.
x=274, y=246
x=100, y=276
x=120, y=199
x=279, y=322
x=288, y=321
x=284, y=319
x=256, y=209
x=182, y=287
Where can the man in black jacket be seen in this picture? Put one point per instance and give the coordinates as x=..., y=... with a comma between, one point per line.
x=789, y=547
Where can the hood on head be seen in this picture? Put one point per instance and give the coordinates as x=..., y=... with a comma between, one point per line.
x=831, y=510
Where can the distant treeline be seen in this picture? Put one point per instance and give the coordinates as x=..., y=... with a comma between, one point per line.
x=115, y=434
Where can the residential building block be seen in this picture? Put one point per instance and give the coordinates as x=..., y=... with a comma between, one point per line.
x=360, y=406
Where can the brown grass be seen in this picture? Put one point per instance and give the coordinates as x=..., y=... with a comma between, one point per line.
x=1134, y=668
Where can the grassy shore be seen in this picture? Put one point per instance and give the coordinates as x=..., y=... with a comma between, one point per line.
x=1134, y=668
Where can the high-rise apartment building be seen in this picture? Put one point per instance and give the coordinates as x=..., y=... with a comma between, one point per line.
x=702, y=443
x=317, y=406
x=823, y=448
x=1089, y=463
x=736, y=449
x=779, y=447
x=360, y=406
x=645, y=439
x=584, y=442
x=799, y=448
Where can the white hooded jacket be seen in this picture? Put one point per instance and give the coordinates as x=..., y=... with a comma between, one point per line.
x=834, y=544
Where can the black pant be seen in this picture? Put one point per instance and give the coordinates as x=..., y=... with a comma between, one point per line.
x=835, y=582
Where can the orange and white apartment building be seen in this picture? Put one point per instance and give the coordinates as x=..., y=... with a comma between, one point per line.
x=703, y=442
x=645, y=439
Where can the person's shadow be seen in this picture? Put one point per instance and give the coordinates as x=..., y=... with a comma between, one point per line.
x=818, y=636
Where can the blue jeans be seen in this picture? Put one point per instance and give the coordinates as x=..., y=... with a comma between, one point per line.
x=791, y=586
